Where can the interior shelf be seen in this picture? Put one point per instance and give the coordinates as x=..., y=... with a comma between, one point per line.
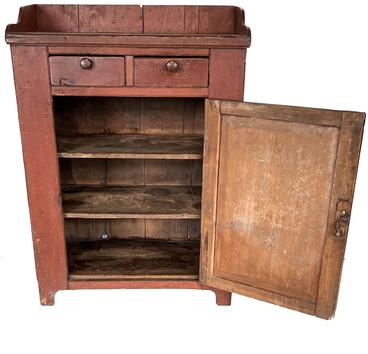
x=134, y=146
x=133, y=259
x=132, y=202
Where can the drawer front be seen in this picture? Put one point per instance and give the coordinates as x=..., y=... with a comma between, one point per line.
x=87, y=71
x=171, y=72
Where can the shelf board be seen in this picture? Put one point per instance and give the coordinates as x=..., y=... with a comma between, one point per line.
x=137, y=146
x=133, y=259
x=132, y=202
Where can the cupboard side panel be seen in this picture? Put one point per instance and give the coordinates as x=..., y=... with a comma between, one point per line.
x=350, y=137
x=41, y=167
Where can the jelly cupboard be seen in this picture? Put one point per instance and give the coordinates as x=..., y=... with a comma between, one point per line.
x=145, y=169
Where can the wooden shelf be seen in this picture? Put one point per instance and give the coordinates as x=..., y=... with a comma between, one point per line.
x=133, y=259
x=132, y=202
x=138, y=146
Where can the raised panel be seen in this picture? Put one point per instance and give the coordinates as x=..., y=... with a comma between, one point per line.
x=273, y=206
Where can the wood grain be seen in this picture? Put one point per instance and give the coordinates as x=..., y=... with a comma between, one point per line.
x=83, y=171
x=167, y=229
x=189, y=19
x=98, y=115
x=129, y=70
x=223, y=65
x=159, y=229
x=123, y=172
x=130, y=172
x=267, y=296
x=193, y=26
x=194, y=229
x=350, y=138
x=216, y=19
x=85, y=229
x=239, y=22
x=163, y=115
x=106, y=50
x=133, y=259
x=130, y=91
x=132, y=202
x=283, y=113
x=168, y=172
x=61, y=18
x=151, y=41
x=105, y=71
x=163, y=19
x=131, y=146
x=152, y=72
x=137, y=284
x=128, y=115
x=30, y=66
x=133, y=19
x=110, y=18
x=263, y=244
x=193, y=119
x=266, y=238
x=210, y=185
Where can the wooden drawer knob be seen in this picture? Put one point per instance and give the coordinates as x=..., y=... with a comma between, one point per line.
x=172, y=66
x=86, y=63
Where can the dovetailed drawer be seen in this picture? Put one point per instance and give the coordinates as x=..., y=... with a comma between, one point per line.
x=87, y=71
x=171, y=72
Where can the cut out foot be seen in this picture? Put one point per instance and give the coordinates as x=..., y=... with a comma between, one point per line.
x=47, y=298
x=223, y=298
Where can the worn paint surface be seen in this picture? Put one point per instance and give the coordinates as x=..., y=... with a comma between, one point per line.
x=274, y=193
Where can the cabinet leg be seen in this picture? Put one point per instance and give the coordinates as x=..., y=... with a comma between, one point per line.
x=47, y=297
x=223, y=298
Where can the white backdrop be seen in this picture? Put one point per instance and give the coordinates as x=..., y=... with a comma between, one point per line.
x=306, y=52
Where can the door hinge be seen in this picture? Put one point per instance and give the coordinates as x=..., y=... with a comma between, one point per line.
x=342, y=217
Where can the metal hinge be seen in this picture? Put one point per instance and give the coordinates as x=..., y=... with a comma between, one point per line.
x=342, y=217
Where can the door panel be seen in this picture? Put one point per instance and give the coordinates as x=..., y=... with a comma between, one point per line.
x=267, y=189
x=273, y=197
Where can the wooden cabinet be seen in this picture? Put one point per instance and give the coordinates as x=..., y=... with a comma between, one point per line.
x=146, y=170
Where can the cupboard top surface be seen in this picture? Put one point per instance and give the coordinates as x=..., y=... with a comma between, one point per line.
x=192, y=26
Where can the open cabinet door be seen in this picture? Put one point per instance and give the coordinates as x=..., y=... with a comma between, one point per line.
x=278, y=184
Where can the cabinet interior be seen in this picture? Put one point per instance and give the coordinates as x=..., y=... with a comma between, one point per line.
x=131, y=177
